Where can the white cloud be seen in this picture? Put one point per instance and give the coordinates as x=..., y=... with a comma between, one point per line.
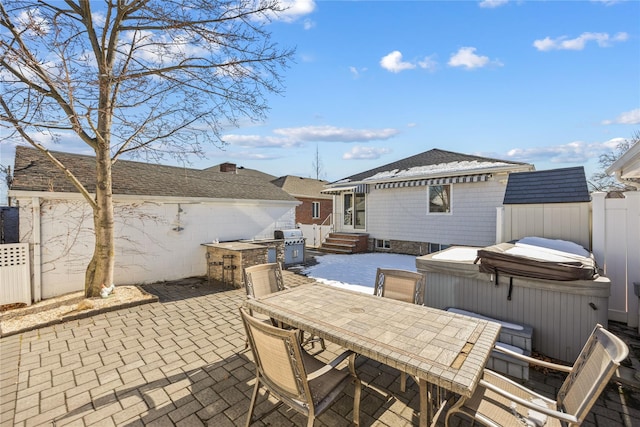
x=296, y=137
x=467, y=58
x=260, y=141
x=574, y=152
x=627, y=118
x=296, y=9
x=428, y=63
x=33, y=22
x=308, y=24
x=356, y=72
x=335, y=134
x=578, y=43
x=393, y=62
x=365, y=153
x=493, y=3
x=608, y=2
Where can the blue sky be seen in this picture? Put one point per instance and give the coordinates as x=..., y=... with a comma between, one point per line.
x=546, y=82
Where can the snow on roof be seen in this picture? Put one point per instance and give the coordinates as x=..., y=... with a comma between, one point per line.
x=439, y=169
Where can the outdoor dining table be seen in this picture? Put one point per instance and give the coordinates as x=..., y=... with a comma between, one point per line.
x=436, y=347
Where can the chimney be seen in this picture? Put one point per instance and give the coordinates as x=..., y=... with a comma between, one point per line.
x=228, y=167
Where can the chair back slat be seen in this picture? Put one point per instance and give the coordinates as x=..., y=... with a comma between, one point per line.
x=277, y=357
x=591, y=372
x=263, y=279
x=401, y=285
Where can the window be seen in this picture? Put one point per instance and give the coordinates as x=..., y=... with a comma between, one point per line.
x=347, y=203
x=437, y=247
x=383, y=244
x=439, y=198
x=359, y=205
x=315, y=209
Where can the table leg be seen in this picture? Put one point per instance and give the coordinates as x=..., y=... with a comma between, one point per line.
x=425, y=403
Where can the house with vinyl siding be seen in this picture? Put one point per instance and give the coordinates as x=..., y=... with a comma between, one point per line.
x=163, y=216
x=424, y=203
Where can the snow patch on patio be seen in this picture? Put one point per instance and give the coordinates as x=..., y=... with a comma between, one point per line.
x=357, y=271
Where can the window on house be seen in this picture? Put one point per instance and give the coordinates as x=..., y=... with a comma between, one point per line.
x=315, y=209
x=383, y=244
x=439, y=198
x=437, y=247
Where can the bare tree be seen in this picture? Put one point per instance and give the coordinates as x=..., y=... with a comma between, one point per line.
x=600, y=180
x=317, y=165
x=148, y=78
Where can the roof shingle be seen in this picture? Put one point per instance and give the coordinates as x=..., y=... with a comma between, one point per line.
x=428, y=158
x=566, y=185
x=298, y=186
x=33, y=171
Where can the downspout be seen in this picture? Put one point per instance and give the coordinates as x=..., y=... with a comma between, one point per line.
x=37, y=249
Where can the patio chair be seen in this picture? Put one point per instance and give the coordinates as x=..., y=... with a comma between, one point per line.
x=498, y=401
x=264, y=279
x=304, y=383
x=401, y=285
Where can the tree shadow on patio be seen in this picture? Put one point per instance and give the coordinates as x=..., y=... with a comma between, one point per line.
x=219, y=394
x=181, y=289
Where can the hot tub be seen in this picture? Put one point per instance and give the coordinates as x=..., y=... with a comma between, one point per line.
x=562, y=313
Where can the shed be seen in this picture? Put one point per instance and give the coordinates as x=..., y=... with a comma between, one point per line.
x=551, y=203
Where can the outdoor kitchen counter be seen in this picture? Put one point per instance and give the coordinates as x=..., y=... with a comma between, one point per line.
x=226, y=261
x=234, y=246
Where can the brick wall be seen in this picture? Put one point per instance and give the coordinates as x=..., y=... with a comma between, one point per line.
x=304, y=212
x=401, y=247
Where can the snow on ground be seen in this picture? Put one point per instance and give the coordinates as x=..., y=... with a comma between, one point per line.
x=357, y=271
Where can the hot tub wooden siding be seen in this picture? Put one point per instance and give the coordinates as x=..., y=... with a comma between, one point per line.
x=562, y=314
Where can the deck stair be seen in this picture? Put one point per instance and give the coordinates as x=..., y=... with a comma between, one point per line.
x=345, y=243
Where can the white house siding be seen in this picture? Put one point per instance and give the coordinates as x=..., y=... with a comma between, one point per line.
x=148, y=249
x=401, y=214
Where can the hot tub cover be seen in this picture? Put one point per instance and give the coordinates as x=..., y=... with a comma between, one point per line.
x=539, y=258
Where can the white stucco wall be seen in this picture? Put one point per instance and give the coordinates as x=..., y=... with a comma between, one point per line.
x=401, y=214
x=148, y=249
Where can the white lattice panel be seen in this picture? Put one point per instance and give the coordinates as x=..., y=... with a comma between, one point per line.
x=15, y=283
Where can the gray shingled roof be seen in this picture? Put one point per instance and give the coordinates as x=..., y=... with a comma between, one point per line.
x=302, y=187
x=241, y=170
x=431, y=157
x=567, y=185
x=33, y=171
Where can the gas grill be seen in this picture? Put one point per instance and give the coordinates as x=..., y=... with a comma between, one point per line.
x=293, y=245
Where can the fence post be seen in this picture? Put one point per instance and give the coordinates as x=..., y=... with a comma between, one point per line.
x=37, y=250
x=633, y=253
x=598, y=224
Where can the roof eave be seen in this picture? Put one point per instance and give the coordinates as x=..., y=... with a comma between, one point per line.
x=497, y=170
x=628, y=165
x=138, y=198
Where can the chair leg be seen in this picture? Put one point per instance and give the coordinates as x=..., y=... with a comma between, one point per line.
x=356, y=401
x=403, y=382
x=312, y=340
x=358, y=389
x=254, y=397
x=455, y=408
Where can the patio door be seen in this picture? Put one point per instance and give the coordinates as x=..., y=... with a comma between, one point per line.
x=353, y=211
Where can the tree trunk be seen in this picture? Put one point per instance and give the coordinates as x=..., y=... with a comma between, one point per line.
x=100, y=269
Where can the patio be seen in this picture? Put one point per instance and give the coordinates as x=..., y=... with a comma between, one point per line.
x=181, y=361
